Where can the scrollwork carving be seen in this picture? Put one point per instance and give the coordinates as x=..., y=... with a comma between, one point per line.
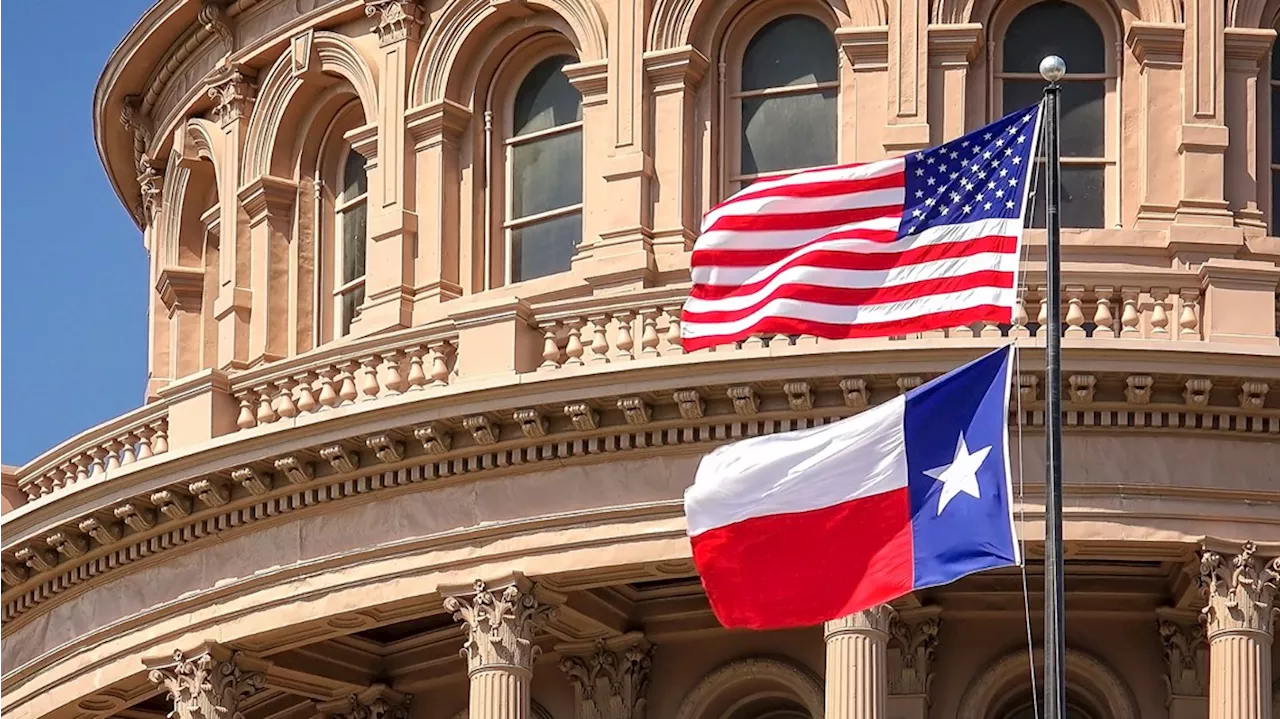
x=1240, y=590
x=611, y=683
x=1185, y=658
x=397, y=19
x=500, y=625
x=205, y=686
x=913, y=647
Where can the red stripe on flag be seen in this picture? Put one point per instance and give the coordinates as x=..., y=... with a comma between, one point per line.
x=852, y=297
x=832, y=188
x=802, y=220
x=795, y=326
x=800, y=569
x=763, y=258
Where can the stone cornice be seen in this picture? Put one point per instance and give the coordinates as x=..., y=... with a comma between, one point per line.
x=440, y=120
x=866, y=47
x=1156, y=43
x=950, y=44
x=675, y=69
x=268, y=196
x=181, y=288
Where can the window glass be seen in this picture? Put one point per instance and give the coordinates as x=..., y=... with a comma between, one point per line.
x=355, y=179
x=546, y=173
x=1082, y=107
x=546, y=99
x=1083, y=202
x=544, y=248
x=1057, y=28
x=792, y=50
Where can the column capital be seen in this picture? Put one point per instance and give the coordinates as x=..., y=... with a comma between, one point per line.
x=589, y=78
x=874, y=620
x=234, y=89
x=377, y=702
x=397, y=19
x=913, y=645
x=207, y=683
x=610, y=677
x=957, y=43
x=1186, y=654
x=1240, y=590
x=1156, y=43
x=150, y=182
x=866, y=47
x=181, y=288
x=677, y=68
x=501, y=620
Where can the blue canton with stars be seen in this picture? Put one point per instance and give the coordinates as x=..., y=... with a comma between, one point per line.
x=980, y=176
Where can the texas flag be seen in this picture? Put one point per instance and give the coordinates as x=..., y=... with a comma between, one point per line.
x=799, y=528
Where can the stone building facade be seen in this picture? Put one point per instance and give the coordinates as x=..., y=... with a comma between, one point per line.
x=418, y=419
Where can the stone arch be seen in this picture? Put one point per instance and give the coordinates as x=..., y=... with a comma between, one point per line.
x=677, y=23
x=464, y=24
x=980, y=11
x=1259, y=14
x=763, y=676
x=329, y=54
x=538, y=711
x=1090, y=675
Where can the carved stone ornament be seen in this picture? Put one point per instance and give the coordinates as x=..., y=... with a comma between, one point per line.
x=799, y=396
x=149, y=183
x=376, y=702
x=213, y=17
x=1253, y=395
x=1197, y=392
x=635, y=410
x=1240, y=590
x=1083, y=387
x=690, y=403
x=1186, y=659
x=500, y=625
x=745, y=401
x=341, y=458
x=875, y=619
x=295, y=470
x=533, y=424
x=233, y=90
x=205, y=686
x=582, y=416
x=434, y=439
x=386, y=448
x=912, y=649
x=254, y=482
x=482, y=429
x=855, y=392
x=611, y=683
x=1138, y=388
x=397, y=19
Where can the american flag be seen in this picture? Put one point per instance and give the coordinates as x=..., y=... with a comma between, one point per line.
x=922, y=242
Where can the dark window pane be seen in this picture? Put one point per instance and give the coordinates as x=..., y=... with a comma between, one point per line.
x=792, y=50
x=1058, y=28
x=1083, y=112
x=1275, y=64
x=1082, y=196
x=546, y=174
x=355, y=179
x=353, y=245
x=1275, y=123
x=1275, y=203
x=789, y=131
x=544, y=248
x=546, y=99
x=351, y=302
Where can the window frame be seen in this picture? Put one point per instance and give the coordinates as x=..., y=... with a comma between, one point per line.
x=1108, y=25
x=733, y=48
x=335, y=145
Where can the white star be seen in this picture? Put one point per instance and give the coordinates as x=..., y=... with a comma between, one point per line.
x=929, y=159
x=1009, y=204
x=919, y=172
x=931, y=181
x=986, y=136
x=919, y=194
x=1017, y=160
x=1022, y=139
x=959, y=476
x=986, y=206
x=917, y=213
x=967, y=209
x=919, y=155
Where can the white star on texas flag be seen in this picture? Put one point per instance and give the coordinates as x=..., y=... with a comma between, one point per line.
x=959, y=476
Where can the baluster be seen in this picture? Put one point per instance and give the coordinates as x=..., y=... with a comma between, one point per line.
x=1104, y=323
x=1129, y=316
x=439, y=364
x=990, y=328
x=329, y=387
x=649, y=333
x=674, y=344
x=369, y=378
x=68, y=474
x=347, y=389
x=83, y=466
x=1190, y=319
x=45, y=485
x=144, y=443
x=266, y=415
x=961, y=331
x=550, y=349
x=625, y=342
x=417, y=376
x=112, y=459
x=160, y=439
x=1075, y=312
x=127, y=454
x=599, y=341
x=306, y=396
x=97, y=467
x=395, y=383
x=56, y=480
x=1019, y=328
x=573, y=348
x=287, y=407
x=1159, y=313
x=246, y=419
x=1042, y=315
x=755, y=341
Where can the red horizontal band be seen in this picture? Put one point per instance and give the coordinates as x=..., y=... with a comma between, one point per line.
x=803, y=220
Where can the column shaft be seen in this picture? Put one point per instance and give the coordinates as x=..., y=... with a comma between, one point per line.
x=1240, y=676
x=857, y=665
x=500, y=693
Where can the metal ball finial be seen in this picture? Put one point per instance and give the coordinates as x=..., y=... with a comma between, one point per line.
x=1052, y=68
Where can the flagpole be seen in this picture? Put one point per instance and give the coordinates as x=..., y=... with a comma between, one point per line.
x=1052, y=68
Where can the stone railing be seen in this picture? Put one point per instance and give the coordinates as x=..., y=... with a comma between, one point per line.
x=344, y=373
x=98, y=452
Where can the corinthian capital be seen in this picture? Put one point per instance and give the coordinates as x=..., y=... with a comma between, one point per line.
x=397, y=19
x=207, y=684
x=500, y=622
x=612, y=679
x=376, y=702
x=1185, y=656
x=232, y=88
x=150, y=182
x=875, y=619
x=1240, y=590
x=913, y=644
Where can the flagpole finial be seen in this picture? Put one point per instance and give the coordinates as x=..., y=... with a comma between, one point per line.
x=1052, y=68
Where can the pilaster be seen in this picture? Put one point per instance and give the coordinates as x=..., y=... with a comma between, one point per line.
x=207, y=683
x=1186, y=661
x=867, y=50
x=1239, y=587
x=376, y=702
x=673, y=76
x=912, y=647
x=857, y=684
x=1244, y=50
x=951, y=50
x=501, y=620
x=1158, y=47
x=268, y=204
x=182, y=292
x=1202, y=139
x=907, y=126
x=436, y=130
x=234, y=89
x=610, y=677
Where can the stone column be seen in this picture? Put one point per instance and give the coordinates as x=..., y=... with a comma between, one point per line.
x=610, y=677
x=907, y=124
x=1240, y=590
x=1245, y=50
x=1186, y=660
x=376, y=702
x=436, y=130
x=500, y=622
x=913, y=644
x=207, y=683
x=857, y=664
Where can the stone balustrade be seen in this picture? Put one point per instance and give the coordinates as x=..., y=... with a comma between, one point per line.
x=98, y=452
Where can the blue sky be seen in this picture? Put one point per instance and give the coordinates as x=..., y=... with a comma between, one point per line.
x=73, y=281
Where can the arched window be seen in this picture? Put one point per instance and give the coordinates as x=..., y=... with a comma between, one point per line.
x=544, y=173
x=1056, y=27
x=1028, y=711
x=352, y=209
x=1275, y=141
x=785, y=98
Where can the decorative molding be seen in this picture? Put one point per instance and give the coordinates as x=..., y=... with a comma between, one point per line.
x=377, y=702
x=745, y=401
x=533, y=424
x=386, y=448
x=1137, y=389
x=611, y=682
x=150, y=182
x=482, y=429
x=341, y=458
x=233, y=89
x=913, y=646
x=690, y=403
x=582, y=416
x=397, y=19
x=1082, y=388
x=213, y=18
x=856, y=394
x=1186, y=657
x=876, y=619
x=253, y=481
x=634, y=410
x=210, y=684
x=434, y=439
x=1197, y=391
x=500, y=623
x=799, y=396
x=295, y=469
x=781, y=676
x=1253, y=395
x=1240, y=590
